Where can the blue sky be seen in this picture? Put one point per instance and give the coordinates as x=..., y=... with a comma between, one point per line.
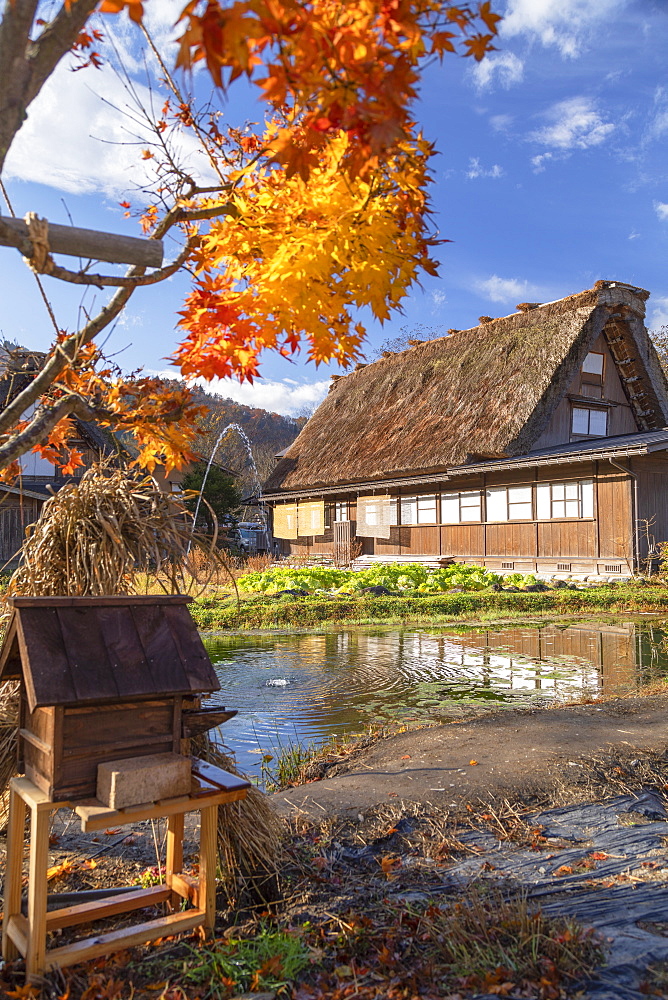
x=552, y=174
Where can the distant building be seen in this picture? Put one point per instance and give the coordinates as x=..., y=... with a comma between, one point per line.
x=536, y=442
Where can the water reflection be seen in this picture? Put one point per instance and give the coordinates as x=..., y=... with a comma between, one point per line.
x=307, y=687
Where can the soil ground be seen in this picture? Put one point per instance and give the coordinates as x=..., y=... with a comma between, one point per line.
x=509, y=753
x=412, y=822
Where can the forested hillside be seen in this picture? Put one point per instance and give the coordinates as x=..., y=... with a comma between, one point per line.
x=268, y=433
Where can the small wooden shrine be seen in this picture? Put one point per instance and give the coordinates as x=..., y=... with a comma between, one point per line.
x=104, y=678
x=109, y=680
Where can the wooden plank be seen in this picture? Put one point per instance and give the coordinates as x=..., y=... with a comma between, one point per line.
x=98, y=817
x=161, y=651
x=203, y=719
x=186, y=887
x=89, y=243
x=17, y=932
x=33, y=797
x=35, y=741
x=174, y=853
x=118, y=748
x=97, y=602
x=198, y=666
x=81, y=913
x=126, y=937
x=13, y=873
x=126, y=654
x=91, y=727
x=39, y=853
x=208, y=852
x=200, y=787
x=91, y=671
x=217, y=776
x=46, y=666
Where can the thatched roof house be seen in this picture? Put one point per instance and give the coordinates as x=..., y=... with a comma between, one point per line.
x=562, y=375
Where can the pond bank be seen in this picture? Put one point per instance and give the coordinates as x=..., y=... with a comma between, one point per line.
x=289, y=611
x=525, y=752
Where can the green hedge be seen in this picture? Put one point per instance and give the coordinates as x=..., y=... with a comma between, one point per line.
x=303, y=612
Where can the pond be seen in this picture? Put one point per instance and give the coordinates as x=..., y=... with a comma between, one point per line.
x=305, y=688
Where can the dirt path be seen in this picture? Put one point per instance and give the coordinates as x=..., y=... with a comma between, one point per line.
x=506, y=752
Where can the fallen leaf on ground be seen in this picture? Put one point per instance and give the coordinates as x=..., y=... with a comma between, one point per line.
x=61, y=869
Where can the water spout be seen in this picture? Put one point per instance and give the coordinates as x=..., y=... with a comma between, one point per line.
x=257, y=485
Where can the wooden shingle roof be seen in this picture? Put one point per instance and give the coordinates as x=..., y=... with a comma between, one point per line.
x=77, y=650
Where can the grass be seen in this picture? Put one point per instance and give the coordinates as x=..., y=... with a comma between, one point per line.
x=261, y=612
x=487, y=942
x=271, y=960
x=298, y=763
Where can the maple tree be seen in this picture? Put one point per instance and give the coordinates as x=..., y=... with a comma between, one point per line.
x=321, y=211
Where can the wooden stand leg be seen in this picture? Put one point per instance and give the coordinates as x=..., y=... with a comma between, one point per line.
x=13, y=870
x=39, y=856
x=174, y=861
x=208, y=845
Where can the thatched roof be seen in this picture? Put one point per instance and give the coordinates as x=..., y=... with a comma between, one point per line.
x=487, y=392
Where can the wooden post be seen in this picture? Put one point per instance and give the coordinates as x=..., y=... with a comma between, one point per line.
x=13, y=870
x=39, y=859
x=174, y=859
x=207, y=866
x=87, y=243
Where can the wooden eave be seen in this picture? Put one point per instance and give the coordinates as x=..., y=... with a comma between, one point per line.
x=78, y=650
x=586, y=450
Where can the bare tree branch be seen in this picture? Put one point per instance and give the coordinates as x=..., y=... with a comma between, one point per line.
x=68, y=349
x=26, y=65
x=43, y=422
x=121, y=281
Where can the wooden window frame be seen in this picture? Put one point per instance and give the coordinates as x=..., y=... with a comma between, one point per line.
x=459, y=494
x=416, y=497
x=579, y=435
x=508, y=519
x=579, y=483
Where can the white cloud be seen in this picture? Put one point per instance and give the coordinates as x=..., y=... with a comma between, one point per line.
x=503, y=70
x=79, y=136
x=439, y=298
x=504, y=289
x=658, y=122
x=568, y=25
x=500, y=123
x=281, y=396
x=634, y=235
x=573, y=124
x=661, y=209
x=538, y=162
x=658, y=315
x=475, y=170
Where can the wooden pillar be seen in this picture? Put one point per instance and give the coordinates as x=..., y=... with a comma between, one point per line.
x=174, y=858
x=208, y=850
x=13, y=871
x=37, y=885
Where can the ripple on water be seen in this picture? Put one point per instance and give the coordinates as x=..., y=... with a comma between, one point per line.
x=307, y=687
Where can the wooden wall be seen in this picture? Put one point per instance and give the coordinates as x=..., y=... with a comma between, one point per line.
x=603, y=544
x=621, y=419
x=14, y=519
x=652, y=472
